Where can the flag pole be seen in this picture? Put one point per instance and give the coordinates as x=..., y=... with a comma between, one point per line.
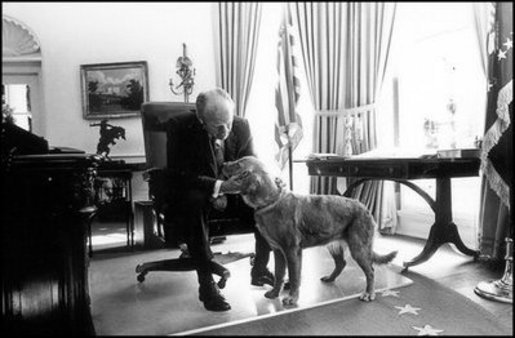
x=290, y=165
x=290, y=160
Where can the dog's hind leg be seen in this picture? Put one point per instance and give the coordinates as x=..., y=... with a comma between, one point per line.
x=337, y=251
x=362, y=254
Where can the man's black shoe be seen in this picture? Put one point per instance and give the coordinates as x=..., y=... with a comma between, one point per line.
x=213, y=299
x=261, y=278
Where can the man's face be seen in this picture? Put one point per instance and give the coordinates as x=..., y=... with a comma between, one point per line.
x=218, y=117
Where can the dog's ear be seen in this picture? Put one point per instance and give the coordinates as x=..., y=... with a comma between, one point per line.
x=251, y=183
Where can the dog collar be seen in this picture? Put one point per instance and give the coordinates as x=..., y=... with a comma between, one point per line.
x=269, y=206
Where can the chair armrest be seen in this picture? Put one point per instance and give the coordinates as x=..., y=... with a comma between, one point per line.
x=152, y=173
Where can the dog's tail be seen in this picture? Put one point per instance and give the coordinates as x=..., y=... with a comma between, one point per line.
x=383, y=259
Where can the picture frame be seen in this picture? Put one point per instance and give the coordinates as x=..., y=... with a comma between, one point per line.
x=113, y=90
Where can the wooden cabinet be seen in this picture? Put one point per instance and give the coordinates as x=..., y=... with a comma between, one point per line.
x=46, y=203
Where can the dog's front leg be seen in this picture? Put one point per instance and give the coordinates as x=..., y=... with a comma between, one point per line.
x=294, y=257
x=280, y=269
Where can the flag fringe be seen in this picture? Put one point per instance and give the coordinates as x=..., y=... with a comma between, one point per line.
x=496, y=183
x=492, y=137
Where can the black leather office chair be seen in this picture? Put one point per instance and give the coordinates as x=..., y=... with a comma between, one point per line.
x=154, y=117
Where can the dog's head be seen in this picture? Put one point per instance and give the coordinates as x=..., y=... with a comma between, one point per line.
x=255, y=184
x=242, y=166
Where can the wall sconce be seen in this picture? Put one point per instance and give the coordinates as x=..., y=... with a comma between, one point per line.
x=186, y=73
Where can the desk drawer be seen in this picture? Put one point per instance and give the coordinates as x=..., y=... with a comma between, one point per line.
x=328, y=170
x=378, y=170
x=395, y=168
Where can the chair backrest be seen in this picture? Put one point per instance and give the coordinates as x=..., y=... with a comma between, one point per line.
x=154, y=117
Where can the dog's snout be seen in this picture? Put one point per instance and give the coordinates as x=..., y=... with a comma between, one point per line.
x=230, y=168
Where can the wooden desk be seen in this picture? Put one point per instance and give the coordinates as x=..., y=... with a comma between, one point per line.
x=46, y=202
x=401, y=170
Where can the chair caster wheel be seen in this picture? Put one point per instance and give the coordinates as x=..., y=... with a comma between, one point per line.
x=141, y=277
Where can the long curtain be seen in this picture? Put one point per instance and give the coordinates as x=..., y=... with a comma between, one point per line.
x=238, y=33
x=345, y=49
x=494, y=30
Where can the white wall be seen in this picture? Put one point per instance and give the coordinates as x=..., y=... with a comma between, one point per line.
x=72, y=34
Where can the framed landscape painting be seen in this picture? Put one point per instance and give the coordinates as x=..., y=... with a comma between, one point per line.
x=113, y=90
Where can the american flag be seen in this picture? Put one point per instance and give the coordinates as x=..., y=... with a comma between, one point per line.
x=288, y=128
x=496, y=150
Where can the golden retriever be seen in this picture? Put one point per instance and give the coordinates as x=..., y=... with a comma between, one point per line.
x=291, y=222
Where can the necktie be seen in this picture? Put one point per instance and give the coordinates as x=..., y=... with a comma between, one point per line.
x=219, y=154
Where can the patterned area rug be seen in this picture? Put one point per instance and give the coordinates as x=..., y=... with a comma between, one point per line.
x=423, y=308
x=167, y=302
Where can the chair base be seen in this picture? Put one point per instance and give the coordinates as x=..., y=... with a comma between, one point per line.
x=186, y=264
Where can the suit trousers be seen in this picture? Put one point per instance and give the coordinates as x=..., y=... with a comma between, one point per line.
x=195, y=231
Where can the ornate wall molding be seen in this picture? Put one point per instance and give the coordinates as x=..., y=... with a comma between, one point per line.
x=18, y=39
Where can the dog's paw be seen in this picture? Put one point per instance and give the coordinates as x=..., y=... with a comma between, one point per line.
x=289, y=301
x=327, y=279
x=367, y=297
x=272, y=294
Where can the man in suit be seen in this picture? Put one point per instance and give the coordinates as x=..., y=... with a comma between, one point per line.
x=198, y=143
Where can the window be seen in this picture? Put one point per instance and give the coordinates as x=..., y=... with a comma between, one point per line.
x=21, y=68
x=17, y=97
x=433, y=98
x=438, y=85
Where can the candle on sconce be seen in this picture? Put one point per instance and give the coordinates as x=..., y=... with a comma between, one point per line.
x=186, y=73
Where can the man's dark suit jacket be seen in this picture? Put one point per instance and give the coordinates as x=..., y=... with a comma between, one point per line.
x=191, y=163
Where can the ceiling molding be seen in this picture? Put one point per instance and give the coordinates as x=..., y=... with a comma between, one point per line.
x=18, y=39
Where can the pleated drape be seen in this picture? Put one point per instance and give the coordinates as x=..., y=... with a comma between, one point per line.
x=238, y=32
x=345, y=48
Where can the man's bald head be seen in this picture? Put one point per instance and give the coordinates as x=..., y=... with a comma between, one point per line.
x=215, y=109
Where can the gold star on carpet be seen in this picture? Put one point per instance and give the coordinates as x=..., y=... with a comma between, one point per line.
x=390, y=293
x=408, y=309
x=508, y=43
x=427, y=330
x=501, y=55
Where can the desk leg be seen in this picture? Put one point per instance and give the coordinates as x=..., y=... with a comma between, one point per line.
x=131, y=212
x=131, y=225
x=443, y=230
x=89, y=221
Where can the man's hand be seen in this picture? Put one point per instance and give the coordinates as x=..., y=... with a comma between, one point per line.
x=232, y=185
x=220, y=203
